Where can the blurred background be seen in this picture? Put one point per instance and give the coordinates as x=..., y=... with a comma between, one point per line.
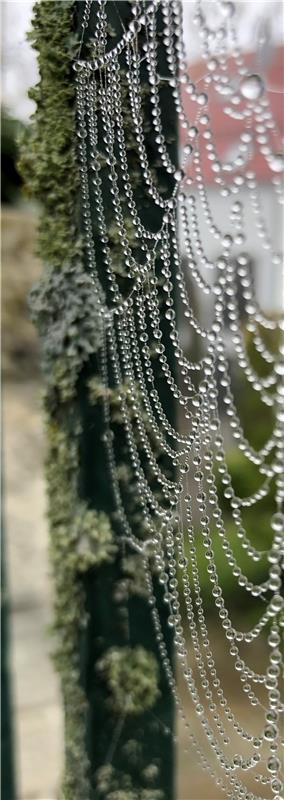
x=37, y=728
x=37, y=715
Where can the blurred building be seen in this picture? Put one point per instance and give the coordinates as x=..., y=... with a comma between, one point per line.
x=268, y=276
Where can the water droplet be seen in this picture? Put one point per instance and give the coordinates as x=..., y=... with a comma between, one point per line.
x=270, y=733
x=257, y=742
x=237, y=206
x=273, y=638
x=204, y=119
x=202, y=99
x=227, y=241
x=78, y=66
x=252, y=87
x=198, y=475
x=276, y=786
x=227, y=8
x=275, y=657
x=212, y=64
x=277, y=522
x=279, y=368
x=277, y=603
x=276, y=162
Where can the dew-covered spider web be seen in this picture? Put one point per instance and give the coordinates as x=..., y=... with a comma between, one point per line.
x=195, y=522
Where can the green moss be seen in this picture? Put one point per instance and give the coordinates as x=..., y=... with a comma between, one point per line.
x=48, y=161
x=115, y=785
x=93, y=538
x=140, y=794
x=133, y=751
x=99, y=392
x=132, y=676
x=80, y=538
x=133, y=582
x=124, y=473
x=111, y=782
x=117, y=255
x=150, y=773
x=69, y=611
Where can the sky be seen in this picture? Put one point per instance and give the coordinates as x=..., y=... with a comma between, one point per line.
x=19, y=60
x=19, y=68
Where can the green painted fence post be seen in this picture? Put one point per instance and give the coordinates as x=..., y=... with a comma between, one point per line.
x=119, y=714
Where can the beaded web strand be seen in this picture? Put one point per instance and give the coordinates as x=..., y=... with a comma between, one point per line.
x=168, y=262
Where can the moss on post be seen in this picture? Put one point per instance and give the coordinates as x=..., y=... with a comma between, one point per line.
x=48, y=161
x=132, y=677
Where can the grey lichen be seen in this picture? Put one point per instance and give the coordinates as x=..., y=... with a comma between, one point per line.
x=132, y=676
x=65, y=310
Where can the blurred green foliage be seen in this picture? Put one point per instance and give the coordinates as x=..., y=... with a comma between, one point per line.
x=11, y=181
x=256, y=417
x=257, y=421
